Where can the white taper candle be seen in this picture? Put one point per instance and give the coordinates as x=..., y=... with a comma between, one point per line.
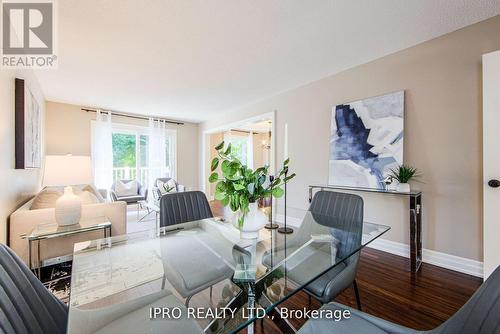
x=285, y=147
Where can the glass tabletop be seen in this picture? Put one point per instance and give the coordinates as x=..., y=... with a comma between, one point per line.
x=206, y=266
x=53, y=230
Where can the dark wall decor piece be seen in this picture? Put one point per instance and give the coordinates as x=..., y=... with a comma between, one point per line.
x=366, y=141
x=28, y=127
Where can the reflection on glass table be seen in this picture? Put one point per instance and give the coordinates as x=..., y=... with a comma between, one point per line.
x=205, y=266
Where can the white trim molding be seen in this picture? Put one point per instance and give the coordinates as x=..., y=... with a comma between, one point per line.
x=448, y=261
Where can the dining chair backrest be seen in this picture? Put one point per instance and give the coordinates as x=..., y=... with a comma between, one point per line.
x=341, y=212
x=26, y=306
x=183, y=207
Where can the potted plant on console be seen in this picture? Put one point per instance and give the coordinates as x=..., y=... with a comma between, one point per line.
x=403, y=174
x=240, y=188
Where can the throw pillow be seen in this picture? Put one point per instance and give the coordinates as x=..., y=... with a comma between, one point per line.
x=88, y=198
x=124, y=189
x=46, y=199
x=167, y=187
x=91, y=189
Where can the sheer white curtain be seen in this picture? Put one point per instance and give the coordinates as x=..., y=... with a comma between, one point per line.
x=156, y=151
x=250, y=151
x=102, y=150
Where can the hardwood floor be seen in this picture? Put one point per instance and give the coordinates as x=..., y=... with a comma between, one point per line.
x=389, y=291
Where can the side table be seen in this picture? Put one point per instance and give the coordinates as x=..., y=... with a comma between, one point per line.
x=52, y=230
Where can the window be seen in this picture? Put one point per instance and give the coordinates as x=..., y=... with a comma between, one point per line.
x=131, y=154
x=241, y=147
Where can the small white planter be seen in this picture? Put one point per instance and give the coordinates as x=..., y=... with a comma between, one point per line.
x=403, y=187
x=255, y=220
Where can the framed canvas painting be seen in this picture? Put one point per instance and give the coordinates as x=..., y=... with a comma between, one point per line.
x=366, y=141
x=28, y=127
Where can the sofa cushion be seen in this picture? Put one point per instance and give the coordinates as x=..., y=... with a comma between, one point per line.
x=123, y=189
x=90, y=188
x=46, y=199
x=87, y=197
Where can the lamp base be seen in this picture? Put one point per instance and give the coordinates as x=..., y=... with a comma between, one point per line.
x=68, y=208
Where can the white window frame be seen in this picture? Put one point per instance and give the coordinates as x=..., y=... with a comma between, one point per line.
x=139, y=130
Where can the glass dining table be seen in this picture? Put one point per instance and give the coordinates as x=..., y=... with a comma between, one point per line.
x=211, y=279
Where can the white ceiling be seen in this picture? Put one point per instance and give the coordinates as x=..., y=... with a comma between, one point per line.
x=193, y=59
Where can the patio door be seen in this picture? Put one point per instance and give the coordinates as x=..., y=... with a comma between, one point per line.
x=491, y=161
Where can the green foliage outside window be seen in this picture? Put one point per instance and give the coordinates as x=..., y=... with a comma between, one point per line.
x=124, y=150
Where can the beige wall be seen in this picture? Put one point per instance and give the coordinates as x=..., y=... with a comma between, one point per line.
x=442, y=79
x=69, y=131
x=17, y=185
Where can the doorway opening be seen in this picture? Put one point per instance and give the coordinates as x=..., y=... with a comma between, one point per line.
x=252, y=141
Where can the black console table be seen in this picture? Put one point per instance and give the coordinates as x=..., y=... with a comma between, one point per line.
x=415, y=217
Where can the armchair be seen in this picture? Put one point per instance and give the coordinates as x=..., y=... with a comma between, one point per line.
x=142, y=194
x=156, y=190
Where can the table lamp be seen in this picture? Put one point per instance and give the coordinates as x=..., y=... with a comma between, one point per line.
x=67, y=170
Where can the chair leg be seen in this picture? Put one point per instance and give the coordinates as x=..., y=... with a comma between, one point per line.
x=163, y=282
x=187, y=301
x=211, y=290
x=356, y=292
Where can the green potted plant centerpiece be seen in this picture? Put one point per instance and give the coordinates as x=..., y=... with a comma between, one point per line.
x=403, y=174
x=240, y=188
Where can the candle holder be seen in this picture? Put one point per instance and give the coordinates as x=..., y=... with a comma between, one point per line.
x=285, y=229
x=271, y=225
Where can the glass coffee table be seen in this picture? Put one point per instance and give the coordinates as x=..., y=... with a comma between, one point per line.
x=204, y=265
x=53, y=230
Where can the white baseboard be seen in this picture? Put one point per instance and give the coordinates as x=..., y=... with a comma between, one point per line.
x=456, y=263
x=448, y=261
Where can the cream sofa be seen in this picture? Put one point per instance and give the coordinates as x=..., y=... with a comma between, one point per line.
x=24, y=221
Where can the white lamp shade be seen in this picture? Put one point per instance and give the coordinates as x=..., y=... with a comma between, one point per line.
x=67, y=170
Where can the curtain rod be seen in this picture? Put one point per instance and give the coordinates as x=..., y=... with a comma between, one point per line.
x=246, y=131
x=133, y=116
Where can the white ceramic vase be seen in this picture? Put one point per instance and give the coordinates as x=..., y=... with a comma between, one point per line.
x=403, y=187
x=255, y=220
x=68, y=208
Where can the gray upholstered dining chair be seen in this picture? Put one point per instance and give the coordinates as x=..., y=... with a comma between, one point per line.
x=480, y=315
x=184, y=273
x=182, y=207
x=26, y=306
x=331, y=209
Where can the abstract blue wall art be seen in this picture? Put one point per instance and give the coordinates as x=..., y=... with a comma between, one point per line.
x=366, y=141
